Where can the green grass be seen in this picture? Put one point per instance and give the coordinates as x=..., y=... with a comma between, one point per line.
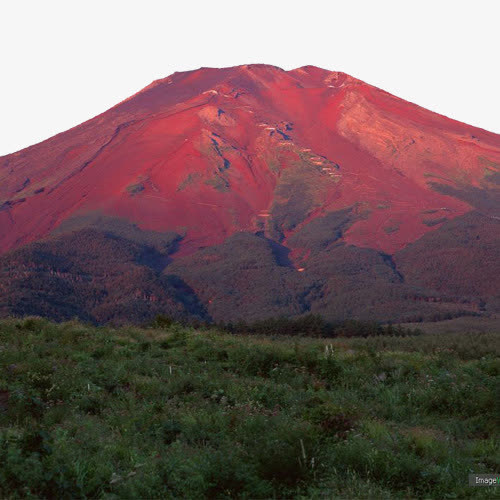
x=150, y=413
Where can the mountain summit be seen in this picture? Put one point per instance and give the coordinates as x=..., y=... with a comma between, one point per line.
x=252, y=191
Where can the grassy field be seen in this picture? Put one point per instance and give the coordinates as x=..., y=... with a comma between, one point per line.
x=472, y=324
x=150, y=413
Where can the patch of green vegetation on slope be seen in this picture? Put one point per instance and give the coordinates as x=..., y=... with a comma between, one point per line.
x=298, y=192
x=461, y=258
x=97, y=275
x=242, y=279
x=179, y=412
x=485, y=200
x=164, y=242
x=323, y=231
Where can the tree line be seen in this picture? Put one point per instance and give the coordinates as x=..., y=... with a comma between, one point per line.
x=310, y=325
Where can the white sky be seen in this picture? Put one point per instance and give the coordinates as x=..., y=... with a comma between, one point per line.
x=63, y=62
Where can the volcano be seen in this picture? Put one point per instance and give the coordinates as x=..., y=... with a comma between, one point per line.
x=249, y=192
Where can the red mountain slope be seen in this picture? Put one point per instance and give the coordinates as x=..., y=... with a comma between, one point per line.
x=357, y=195
x=214, y=151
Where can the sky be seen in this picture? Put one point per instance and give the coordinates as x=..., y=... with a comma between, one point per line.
x=64, y=62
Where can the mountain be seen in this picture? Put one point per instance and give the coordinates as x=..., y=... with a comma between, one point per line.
x=249, y=192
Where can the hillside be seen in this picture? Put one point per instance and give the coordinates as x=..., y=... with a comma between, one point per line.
x=248, y=192
x=180, y=412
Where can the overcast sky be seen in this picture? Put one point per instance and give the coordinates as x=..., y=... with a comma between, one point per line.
x=63, y=62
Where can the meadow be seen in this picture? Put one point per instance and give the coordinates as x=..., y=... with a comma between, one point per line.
x=177, y=411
